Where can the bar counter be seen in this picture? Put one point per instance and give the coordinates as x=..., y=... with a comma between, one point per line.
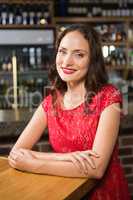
x=15, y=115
x=16, y=185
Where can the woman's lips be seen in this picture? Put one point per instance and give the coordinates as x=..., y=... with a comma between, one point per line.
x=68, y=70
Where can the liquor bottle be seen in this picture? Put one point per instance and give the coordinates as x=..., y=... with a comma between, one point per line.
x=46, y=17
x=130, y=55
x=38, y=16
x=32, y=61
x=9, y=63
x=11, y=18
x=4, y=18
x=18, y=15
x=39, y=84
x=25, y=59
x=4, y=64
x=31, y=18
x=3, y=90
x=25, y=18
x=39, y=57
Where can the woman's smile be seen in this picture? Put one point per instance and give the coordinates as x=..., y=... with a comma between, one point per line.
x=68, y=71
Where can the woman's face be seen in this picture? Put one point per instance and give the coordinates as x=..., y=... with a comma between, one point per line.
x=72, y=58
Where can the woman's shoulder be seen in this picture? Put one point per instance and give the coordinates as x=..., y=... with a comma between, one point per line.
x=108, y=95
x=47, y=101
x=47, y=98
x=109, y=88
x=110, y=91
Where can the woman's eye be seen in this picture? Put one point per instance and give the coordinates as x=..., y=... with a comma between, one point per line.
x=62, y=52
x=80, y=55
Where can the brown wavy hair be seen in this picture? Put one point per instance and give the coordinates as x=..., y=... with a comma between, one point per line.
x=96, y=76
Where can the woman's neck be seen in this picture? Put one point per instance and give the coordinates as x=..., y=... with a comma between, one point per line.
x=76, y=89
x=74, y=96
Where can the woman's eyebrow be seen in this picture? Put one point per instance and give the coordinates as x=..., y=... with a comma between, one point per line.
x=80, y=50
x=75, y=50
x=63, y=48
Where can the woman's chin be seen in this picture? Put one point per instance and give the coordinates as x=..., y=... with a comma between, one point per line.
x=66, y=78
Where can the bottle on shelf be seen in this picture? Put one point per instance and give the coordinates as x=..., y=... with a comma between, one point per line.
x=130, y=55
x=24, y=14
x=25, y=18
x=39, y=57
x=18, y=15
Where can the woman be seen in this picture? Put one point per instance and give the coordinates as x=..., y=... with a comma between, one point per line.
x=82, y=114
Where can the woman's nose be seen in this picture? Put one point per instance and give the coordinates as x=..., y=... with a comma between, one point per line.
x=68, y=60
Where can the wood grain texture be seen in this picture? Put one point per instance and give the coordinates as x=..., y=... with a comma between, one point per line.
x=16, y=185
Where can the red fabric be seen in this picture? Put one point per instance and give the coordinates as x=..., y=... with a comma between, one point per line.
x=73, y=130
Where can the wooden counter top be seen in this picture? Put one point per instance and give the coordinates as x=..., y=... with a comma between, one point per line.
x=16, y=185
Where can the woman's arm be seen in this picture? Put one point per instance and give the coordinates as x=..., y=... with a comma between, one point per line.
x=106, y=135
x=24, y=161
x=33, y=130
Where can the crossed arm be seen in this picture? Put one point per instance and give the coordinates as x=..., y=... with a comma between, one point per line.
x=90, y=163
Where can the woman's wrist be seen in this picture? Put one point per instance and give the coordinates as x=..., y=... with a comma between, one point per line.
x=45, y=155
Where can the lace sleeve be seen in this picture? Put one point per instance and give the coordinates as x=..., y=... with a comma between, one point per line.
x=46, y=103
x=110, y=95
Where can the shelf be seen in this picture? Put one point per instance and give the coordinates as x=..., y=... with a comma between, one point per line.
x=21, y=26
x=24, y=1
x=114, y=43
x=5, y=73
x=91, y=19
x=76, y=3
x=34, y=72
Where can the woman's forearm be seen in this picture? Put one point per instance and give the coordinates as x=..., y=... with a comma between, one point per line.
x=47, y=155
x=83, y=164
x=58, y=168
x=62, y=164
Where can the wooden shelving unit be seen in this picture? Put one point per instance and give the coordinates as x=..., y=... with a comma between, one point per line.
x=92, y=19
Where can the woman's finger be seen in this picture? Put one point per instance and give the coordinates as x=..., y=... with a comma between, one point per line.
x=80, y=162
x=76, y=163
x=92, y=153
x=15, y=155
x=11, y=161
x=89, y=160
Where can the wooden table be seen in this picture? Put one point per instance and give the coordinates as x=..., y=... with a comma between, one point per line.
x=17, y=185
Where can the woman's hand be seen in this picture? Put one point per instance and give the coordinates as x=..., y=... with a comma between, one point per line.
x=83, y=160
x=21, y=159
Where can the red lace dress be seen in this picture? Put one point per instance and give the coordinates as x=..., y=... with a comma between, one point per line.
x=73, y=130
